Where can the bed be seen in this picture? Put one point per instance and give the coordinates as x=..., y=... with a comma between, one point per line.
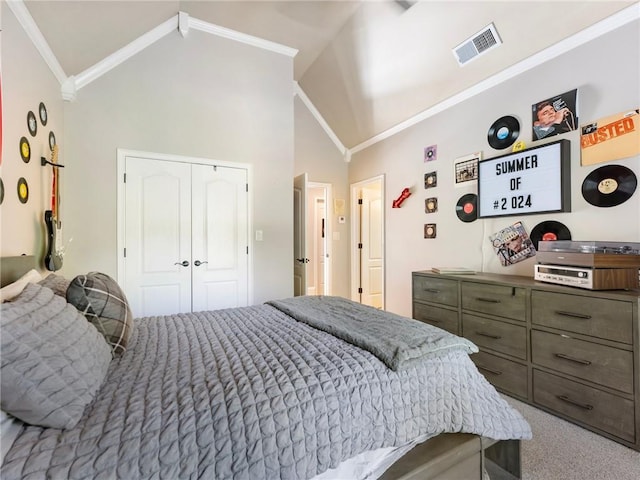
x=300, y=388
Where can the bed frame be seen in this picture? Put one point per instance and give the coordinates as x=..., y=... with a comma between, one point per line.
x=449, y=456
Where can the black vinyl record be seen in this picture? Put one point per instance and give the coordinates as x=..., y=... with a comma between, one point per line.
x=609, y=186
x=549, y=230
x=467, y=207
x=503, y=132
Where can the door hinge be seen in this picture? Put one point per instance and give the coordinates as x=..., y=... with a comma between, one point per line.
x=359, y=201
x=359, y=289
x=125, y=253
x=247, y=250
x=247, y=187
x=125, y=178
x=359, y=245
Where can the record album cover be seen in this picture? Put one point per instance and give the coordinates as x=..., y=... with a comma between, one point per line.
x=610, y=138
x=512, y=244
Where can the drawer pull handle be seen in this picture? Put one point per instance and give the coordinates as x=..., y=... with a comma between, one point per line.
x=490, y=370
x=487, y=300
x=488, y=335
x=572, y=359
x=573, y=315
x=584, y=406
x=432, y=290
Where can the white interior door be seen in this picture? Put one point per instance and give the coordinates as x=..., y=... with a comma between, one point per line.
x=367, y=242
x=300, y=259
x=220, y=237
x=372, y=247
x=158, y=237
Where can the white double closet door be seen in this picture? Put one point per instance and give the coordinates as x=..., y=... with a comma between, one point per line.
x=186, y=236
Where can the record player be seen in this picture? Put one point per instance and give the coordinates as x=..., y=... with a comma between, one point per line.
x=589, y=264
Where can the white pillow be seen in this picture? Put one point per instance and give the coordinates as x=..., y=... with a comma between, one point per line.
x=8, y=292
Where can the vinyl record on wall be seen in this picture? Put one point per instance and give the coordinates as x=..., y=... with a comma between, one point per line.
x=52, y=140
x=503, y=132
x=32, y=123
x=25, y=150
x=42, y=110
x=1, y=191
x=609, y=186
x=23, y=190
x=549, y=231
x=430, y=230
x=467, y=207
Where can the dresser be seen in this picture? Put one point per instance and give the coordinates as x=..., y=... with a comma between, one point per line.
x=569, y=351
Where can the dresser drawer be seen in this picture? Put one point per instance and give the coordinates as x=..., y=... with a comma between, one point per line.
x=509, y=302
x=596, y=317
x=600, y=364
x=437, y=290
x=495, y=335
x=591, y=406
x=505, y=375
x=437, y=316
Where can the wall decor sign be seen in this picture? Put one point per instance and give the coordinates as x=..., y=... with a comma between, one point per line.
x=554, y=115
x=32, y=123
x=466, y=169
x=25, y=150
x=431, y=153
x=43, y=114
x=535, y=180
x=430, y=180
x=610, y=138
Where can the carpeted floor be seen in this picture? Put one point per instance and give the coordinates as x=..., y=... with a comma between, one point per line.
x=561, y=450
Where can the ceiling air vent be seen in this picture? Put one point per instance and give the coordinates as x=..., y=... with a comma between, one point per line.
x=478, y=44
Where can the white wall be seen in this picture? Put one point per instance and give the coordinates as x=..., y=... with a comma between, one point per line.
x=606, y=72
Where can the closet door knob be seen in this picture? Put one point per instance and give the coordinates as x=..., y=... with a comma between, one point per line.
x=197, y=263
x=184, y=263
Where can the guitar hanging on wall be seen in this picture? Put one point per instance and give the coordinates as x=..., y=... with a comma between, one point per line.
x=53, y=257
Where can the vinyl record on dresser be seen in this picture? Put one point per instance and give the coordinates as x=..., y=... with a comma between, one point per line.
x=609, y=186
x=549, y=231
x=503, y=132
x=467, y=207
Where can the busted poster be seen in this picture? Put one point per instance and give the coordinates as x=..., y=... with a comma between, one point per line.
x=610, y=138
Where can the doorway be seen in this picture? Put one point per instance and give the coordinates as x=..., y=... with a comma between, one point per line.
x=367, y=242
x=312, y=237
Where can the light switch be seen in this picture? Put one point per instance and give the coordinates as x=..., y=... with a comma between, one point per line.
x=258, y=235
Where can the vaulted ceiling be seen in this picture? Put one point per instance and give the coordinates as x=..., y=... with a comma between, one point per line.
x=365, y=65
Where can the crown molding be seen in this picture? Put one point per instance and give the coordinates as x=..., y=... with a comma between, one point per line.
x=241, y=37
x=120, y=56
x=25, y=19
x=596, y=30
x=316, y=114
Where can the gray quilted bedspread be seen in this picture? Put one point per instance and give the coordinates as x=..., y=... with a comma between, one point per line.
x=397, y=341
x=249, y=393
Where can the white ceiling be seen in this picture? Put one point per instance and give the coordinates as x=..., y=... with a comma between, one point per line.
x=365, y=65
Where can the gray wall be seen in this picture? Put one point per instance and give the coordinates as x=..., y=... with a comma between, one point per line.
x=606, y=72
x=317, y=155
x=26, y=81
x=199, y=96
